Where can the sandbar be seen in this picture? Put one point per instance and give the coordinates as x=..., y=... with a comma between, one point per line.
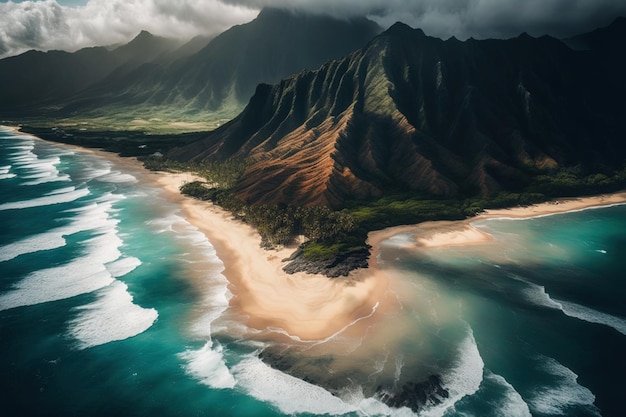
x=461, y=233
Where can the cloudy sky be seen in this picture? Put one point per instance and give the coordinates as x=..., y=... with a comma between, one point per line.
x=72, y=24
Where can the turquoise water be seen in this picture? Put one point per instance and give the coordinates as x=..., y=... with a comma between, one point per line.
x=112, y=304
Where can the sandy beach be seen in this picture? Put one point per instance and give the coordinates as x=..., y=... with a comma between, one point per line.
x=309, y=307
x=459, y=233
x=314, y=307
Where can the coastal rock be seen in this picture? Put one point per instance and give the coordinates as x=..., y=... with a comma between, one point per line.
x=416, y=395
x=320, y=371
x=334, y=267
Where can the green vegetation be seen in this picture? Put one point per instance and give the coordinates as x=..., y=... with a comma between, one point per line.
x=395, y=210
x=222, y=175
x=332, y=234
x=123, y=142
x=280, y=225
x=578, y=181
x=317, y=251
x=277, y=225
x=128, y=119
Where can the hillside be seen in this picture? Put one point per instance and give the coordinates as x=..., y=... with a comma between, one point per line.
x=221, y=77
x=154, y=82
x=410, y=113
x=37, y=79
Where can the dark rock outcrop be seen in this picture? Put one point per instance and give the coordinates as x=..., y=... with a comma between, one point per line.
x=416, y=395
x=337, y=266
x=320, y=370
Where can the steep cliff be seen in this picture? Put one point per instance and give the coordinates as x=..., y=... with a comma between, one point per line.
x=412, y=113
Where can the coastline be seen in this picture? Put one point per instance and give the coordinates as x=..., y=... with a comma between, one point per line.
x=311, y=307
x=461, y=232
x=304, y=306
x=314, y=307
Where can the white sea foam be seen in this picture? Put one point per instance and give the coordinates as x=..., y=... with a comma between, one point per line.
x=294, y=396
x=207, y=365
x=401, y=240
x=23, y=153
x=37, y=243
x=5, y=173
x=213, y=285
x=94, y=216
x=113, y=316
x=215, y=300
x=46, y=200
x=562, y=393
x=464, y=379
x=51, y=284
x=165, y=223
x=122, y=266
x=289, y=394
x=512, y=404
x=43, y=171
x=592, y=316
x=117, y=177
x=82, y=275
x=38, y=169
x=537, y=295
x=99, y=171
x=63, y=190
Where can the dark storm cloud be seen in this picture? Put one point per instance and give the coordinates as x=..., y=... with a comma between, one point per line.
x=470, y=18
x=47, y=25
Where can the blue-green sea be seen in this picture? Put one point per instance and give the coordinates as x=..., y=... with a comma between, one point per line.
x=112, y=304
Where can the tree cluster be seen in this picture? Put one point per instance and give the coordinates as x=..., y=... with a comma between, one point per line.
x=279, y=224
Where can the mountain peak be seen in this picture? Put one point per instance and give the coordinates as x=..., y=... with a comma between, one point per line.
x=144, y=34
x=619, y=21
x=142, y=39
x=270, y=10
x=448, y=119
x=144, y=47
x=605, y=38
x=524, y=35
x=400, y=29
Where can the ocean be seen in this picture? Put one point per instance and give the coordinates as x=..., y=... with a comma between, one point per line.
x=111, y=303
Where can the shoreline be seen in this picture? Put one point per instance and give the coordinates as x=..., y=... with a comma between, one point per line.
x=442, y=233
x=306, y=307
x=311, y=307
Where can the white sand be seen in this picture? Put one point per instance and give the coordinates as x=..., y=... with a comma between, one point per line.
x=313, y=307
x=459, y=233
x=310, y=307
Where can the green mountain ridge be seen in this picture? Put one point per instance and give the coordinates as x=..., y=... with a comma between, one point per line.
x=223, y=75
x=413, y=114
x=35, y=80
x=193, y=82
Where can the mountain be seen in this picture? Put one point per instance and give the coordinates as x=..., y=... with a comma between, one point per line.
x=37, y=78
x=604, y=38
x=412, y=113
x=151, y=77
x=224, y=74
